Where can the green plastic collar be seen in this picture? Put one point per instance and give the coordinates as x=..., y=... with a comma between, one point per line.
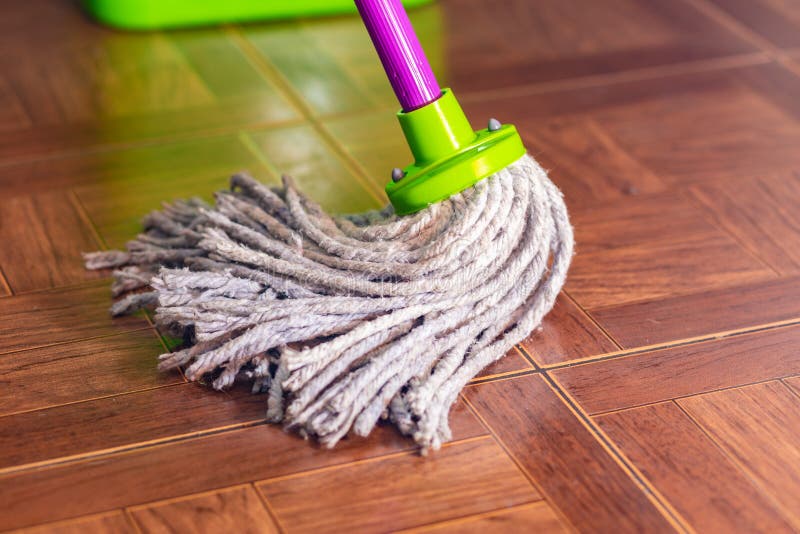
x=449, y=156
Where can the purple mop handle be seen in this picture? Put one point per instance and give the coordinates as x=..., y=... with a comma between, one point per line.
x=401, y=54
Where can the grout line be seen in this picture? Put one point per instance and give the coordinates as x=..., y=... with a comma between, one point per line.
x=89, y=399
x=268, y=507
x=247, y=140
x=620, y=77
x=689, y=395
x=185, y=497
x=77, y=285
x=661, y=503
x=128, y=448
x=4, y=284
x=155, y=141
x=67, y=520
x=529, y=477
x=743, y=469
x=132, y=520
x=471, y=517
x=71, y=341
x=736, y=27
x=706, y=212
x=594, y=321
x=527, y=356
x=83, y=214
x=503, y=376
x=372, y=459
x=790, y=387
x=270, y=72
x=717, y=336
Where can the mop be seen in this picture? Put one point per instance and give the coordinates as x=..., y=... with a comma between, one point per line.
x=343, y=321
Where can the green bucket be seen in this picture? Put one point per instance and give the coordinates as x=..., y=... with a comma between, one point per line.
x=156, y=14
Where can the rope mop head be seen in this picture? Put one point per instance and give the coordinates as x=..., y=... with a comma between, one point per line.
x=346, y=320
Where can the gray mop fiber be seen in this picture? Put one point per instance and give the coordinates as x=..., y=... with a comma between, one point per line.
x=344, y=320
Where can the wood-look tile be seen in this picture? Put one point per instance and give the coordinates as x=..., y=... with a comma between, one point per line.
x=681, y=371
x=332, y=64
x=375, y=141
x=706, y=488
x=759, y=426
x=778, y=21
x=111, y=523
x=230, y=510
x=574, y=471
x=304, y=155
x=651, y=248
x=686, y=127
x=173, y=166
x=566, y=333
x=61, y=374
x=400, y=492
x=537, y=517
x=702, y=314
x=513, y=361
x=301, y=153
x=67, y=314
x=794, y=383
x=525, y=43
x=762, y=213
x=43, y=236
x=102, y=87
x=739, y=123
x=186, y=467
x=12, y=114
x=586, y=163
x=124, y=420
x=118, y=188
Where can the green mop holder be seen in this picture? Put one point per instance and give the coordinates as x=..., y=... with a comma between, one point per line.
x=449, y=156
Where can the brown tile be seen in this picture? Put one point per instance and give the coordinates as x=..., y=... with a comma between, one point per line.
x=300, y=152
x=759, y=426
x=762, y=213
x=331, y=63
x=375, y=141
x=585, y=162
x=400, y=492
x=651, y=248
x=778, y=21
x=12, y=114
x=187, y=466
x=118, y=188
x=736, y=124
x=230, y=510
x=525, y=43
x=536, y=517
x=111, y=523
x=684, y=128
x=60, y=315
x=793, y=383
x=567, y=333
x=124, y=420
x=665, y=374
x=513, y=361
x=574, y=471
x=61, y=374
x=102, y=87
x=43, y=236
x=676, y=456
x=702, y=314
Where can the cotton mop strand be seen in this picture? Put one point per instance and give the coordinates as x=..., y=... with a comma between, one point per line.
x=344, y=320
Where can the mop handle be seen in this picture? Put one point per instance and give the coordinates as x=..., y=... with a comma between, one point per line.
x=401, y=54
